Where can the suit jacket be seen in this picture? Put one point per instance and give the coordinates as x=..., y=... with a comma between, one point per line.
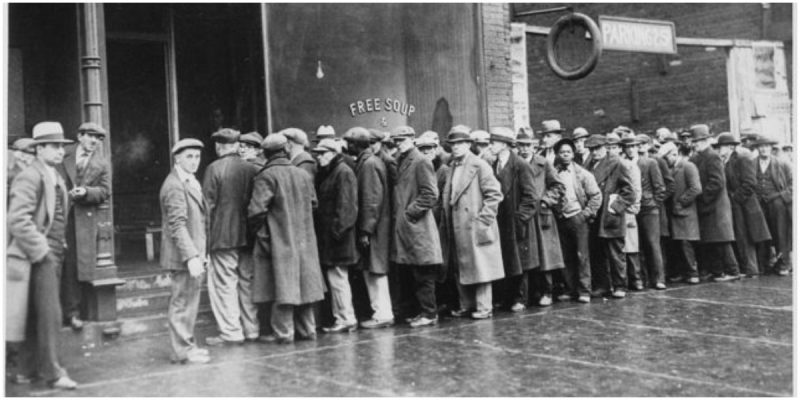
x=83, y=233
x=683, y=221
x=653, y=190
x=226, y=191
x=713, y=205
x=31, y=209
x=183, y=223
x=781, y=174
x=748, y=218
x=613, y=178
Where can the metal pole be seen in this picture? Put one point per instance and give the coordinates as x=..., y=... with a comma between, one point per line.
x=265, y=46
x=90, y=65
x=542, y=11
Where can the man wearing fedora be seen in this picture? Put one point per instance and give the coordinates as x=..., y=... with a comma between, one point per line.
x=774, y=189
x=37, y=224
x=550, y=133
x=226, y=191
x=88, y=176
x=749, y=224
x=250, y=148
x=582, y=154
x=183, y=249
x=713, y=209
x=525, y=145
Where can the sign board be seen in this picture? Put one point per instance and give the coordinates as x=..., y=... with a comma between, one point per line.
x=638, y=35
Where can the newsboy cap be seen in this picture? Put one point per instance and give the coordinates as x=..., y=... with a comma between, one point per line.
x=295, y=135
x=252, y=138
x=357, y=134
x=186, y=143
x=377, y=135
x=225, y=135
x=594, y=141
x=579, y=132
x=328, y=144
x=460, y=129
x=403, y=131
x=274, y=141
x=92, y=128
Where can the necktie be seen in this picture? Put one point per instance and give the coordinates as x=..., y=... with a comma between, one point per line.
x=83, y=159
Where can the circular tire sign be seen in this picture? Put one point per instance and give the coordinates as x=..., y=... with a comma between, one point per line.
x=569, y=54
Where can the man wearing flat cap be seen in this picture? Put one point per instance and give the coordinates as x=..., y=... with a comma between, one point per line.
x=250, y=148
x=749, y=225
x=37, y=227
x=288, y=272
x=226, y=190
x=551, y=133
x=713, y=209
x=87, y=173
x=297, y=141
x=774, y=190
x=183, y=249
x=24, y=152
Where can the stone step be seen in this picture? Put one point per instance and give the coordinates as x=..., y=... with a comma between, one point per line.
x=149, y=302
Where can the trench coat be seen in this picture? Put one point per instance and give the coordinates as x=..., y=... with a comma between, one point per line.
x=548, y=191
x=713, y=204
x=519, y=236
x=748, y=218
x=226, y=190
x=613, y=179
x=338, y=212
x=183, y=223
x=683, y=221
x=470, y=207
x=83, y=234
x=669, y=189
x=374, y=212
x=31, y=209
x=287, y=268
x=307, y=163
x=415, y=236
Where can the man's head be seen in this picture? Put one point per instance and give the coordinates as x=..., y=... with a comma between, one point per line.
x=630, y=145
x=525, y=142
x=644, y=145
x=551, y=132
x=613, y=144
x=427, y=146
x=275, y=145
x=669, y=152
x=326, y=151
x=501, y=139
x=480, y=141
x=250, y=145
x=565, y=150
x=49, y=139
x=460, y=142
x=700, y=137
x=403, y=138
x=24, y=150
x=763, y=146
x=187, y=154
x=596, y=144
x=579, y=136
x=662, y=134
x=726, y=144
x=90, y=135
x=226, y=141
x=297, y=140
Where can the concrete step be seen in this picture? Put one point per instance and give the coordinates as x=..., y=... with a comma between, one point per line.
x=147, y=294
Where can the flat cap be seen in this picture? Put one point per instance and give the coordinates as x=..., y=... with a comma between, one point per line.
x=92, y=128
x=225, y=135
x=186, y=143
x=295, y=135
x=328, y=144
x=667, y=148
x=595, y=140
x=252, y=138
x=275, y=141
x=357, y=134
x=403, y=131
x=26, y=145
x=377, y=135
x=425, y=141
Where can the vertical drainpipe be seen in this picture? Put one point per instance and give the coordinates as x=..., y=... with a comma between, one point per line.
x=483, y=102
x=265, y=46
x=90, y=66
x=766, y=16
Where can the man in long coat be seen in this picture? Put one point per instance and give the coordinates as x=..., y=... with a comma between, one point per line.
x=416, y=243
x=515, y=217
x=616, y=185
x=183, y=249
x=373, y=226
x=470, y=199
x=226, y=189
x=88, y=177
x=297, y=142
x=774, y=189
x=250, y=148
x=749, y=225
x=683, y=222
x=713, y=209
x=648, y=219
x=37, y=222
x=336, y=235
x=288, y=272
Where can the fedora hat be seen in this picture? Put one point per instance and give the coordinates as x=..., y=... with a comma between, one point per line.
x=403, y=131
x=762, y=141
x=92, y=128
x=699, y=132
x=502, y=134
x=460, y=129
x=187, y=143
x=550, y=126
x=479, y=136
x=425, y=141
x=49, y=132
x=630, y=141
x=579, y=133
x=726, y=139
x=612, y=139
x=325, y=131
x=459, y=136
x=525, y=136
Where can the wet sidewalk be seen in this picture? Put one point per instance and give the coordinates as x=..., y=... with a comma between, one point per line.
x=713, y=339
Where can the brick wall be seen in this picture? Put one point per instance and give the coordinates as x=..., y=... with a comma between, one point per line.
x=674, y=91
x=496, y=40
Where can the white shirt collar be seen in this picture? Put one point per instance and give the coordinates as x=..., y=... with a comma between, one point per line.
x=183, y=175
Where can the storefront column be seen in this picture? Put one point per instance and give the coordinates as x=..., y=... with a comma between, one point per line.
x=100, y=300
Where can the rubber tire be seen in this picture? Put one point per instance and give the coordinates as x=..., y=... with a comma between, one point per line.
x=597, y=46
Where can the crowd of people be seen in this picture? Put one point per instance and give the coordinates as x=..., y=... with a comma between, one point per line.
x=370, y=228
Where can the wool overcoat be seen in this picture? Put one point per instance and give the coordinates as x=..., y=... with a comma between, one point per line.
x=374, y=211
x=287, y=268
x=96, y=178
x=748, y=218
x=519, y=236
x=470, y=210
x=548, y=191
x=683, y=221
x=669, y=189
x=227, y=185
x=415, y=237
x=183, y=223
x=338, y=212
x=613, y=179
x=713, y=204
x=304, y=161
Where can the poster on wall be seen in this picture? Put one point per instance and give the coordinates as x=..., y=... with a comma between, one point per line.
x=519, y=76
x=763, y=60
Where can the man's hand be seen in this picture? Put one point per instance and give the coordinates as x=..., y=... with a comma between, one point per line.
x=196, y=268
x=363, y=241
x=78, y=192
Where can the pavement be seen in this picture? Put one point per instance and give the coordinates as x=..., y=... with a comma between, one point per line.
x=712, y=339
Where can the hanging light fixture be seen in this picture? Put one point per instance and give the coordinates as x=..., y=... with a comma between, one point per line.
x=320, y=74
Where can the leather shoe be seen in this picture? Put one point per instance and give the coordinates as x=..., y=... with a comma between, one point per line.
x=517, y=307
x=693, y=280
x=546, y=301
x=482, y=314
x=660, y=286
x=377, y=323
x=424, y=321
x=64, y=383
x=340, y=328
x=618, y=294
x=584, y=298
x=460, y=313
x=75, y=323
x=219, y=341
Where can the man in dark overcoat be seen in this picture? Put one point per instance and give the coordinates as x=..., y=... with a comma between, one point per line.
x=515, y=218
x=616, y=185
x=749, y=225
x=250, y=148
x=774, y=189
x=297, y=143
x=88, y=177
x=649, y=219
x=373, y=226
x=683, y=223
x=336, y=235
x=713, y=209
x=37, y=224
x=416, y=244
x=226, y=189
x=183, y=249
x=287, y=268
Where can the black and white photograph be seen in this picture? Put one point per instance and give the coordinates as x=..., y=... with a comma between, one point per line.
x=399, y=199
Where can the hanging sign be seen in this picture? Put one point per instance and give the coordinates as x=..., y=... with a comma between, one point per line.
x=378, y=104
x=638, y=35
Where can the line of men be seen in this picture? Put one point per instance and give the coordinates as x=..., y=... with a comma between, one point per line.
x=492, y=225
